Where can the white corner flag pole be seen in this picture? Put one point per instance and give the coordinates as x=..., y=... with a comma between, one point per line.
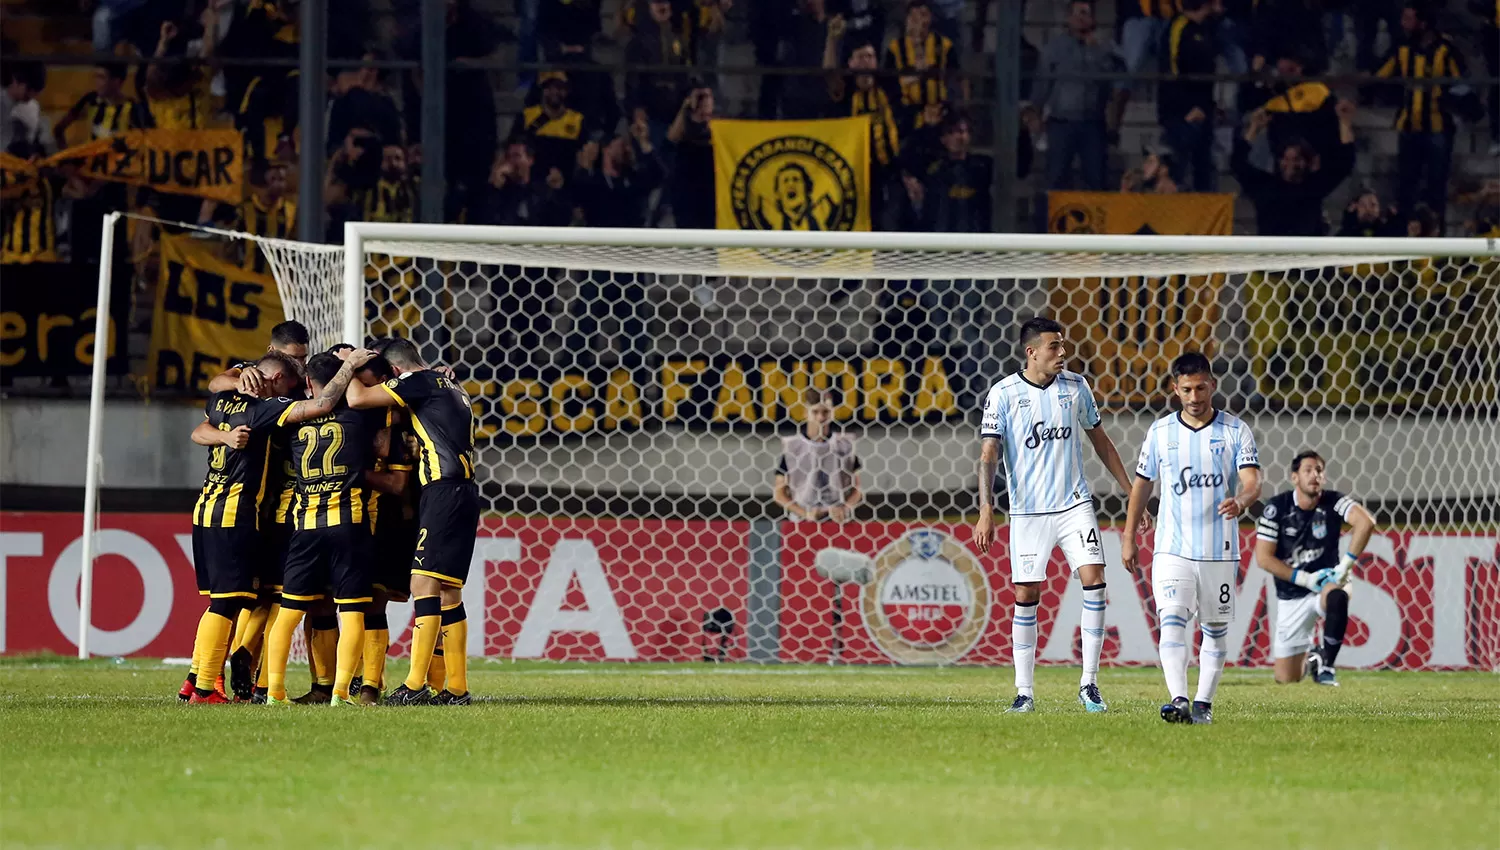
x=92, y=460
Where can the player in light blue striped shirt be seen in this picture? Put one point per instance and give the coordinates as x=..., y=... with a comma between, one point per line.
x=1209, y=467
x=1038, y=418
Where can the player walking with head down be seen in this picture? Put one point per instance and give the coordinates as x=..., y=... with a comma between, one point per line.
x=1038, y=417
x=1210, y=472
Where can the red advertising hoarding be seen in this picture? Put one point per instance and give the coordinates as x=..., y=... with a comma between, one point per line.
x=579, y=589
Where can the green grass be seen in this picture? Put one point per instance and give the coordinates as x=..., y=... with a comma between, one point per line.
x=100, y=754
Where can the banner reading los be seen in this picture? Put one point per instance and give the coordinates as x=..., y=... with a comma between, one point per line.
x=793, y=175
x=209, y=313
x=205, y=163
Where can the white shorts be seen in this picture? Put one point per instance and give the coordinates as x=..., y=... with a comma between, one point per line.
x=1295, y=621
x=1206, y=588
x=1032, y=539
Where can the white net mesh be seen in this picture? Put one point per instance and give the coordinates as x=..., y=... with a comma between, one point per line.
x=633, y=404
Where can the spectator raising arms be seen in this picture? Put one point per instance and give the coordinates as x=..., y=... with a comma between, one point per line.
x=690, y=188
x=1365, y=217
x=613, y=182
x=514, y=195
x=1289, y=201
x=804, y=46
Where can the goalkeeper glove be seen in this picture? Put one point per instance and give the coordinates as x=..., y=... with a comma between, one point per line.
x=1314, y=581
x=1342, y=573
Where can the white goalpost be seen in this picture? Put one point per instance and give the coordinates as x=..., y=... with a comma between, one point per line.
x=636, y=392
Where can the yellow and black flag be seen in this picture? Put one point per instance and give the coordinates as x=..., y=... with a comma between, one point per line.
x=793, y=175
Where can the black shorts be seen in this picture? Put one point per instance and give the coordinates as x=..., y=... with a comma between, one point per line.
x=339, y=556
x=277, y=537
x=227, y=560
x=449, y=515
x=395, y=541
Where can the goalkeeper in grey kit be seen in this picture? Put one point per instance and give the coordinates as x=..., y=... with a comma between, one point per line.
x=1297, y=541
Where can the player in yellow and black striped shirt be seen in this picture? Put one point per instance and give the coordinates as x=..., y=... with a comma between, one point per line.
x=392, y=513
x=448, y=511
x=331, y=544
x=227, y=545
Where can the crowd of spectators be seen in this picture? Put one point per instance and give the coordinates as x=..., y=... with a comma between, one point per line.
x=591, y=147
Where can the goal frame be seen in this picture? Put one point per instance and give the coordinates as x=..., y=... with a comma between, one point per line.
x=358, y=234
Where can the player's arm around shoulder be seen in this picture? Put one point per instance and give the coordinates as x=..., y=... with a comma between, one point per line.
x=332, y=392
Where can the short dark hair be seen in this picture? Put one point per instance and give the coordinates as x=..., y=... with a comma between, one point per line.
x=323, y=366
x=1423, y=10
x=1304, y=455
x=1191, y=5
x=379, y=367
x=1035, y=327
x=403, y=353
x=339, y=346
x=116, y=70
x=1191, y=363
x=289, y=333
x=287, y=364
x=917, y=4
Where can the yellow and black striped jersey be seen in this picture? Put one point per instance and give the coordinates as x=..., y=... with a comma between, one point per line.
x=274, y=221
x=388, y=201
x=443, y=420
x=30, y=224
x=935, y=55
x=236, y=479
x=330, y=455
x=107, y=119
x=393, y=507
x=282, y=486
x=1425, y=108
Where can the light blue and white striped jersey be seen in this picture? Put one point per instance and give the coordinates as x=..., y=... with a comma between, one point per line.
x=1198, y=469
x=1041, y=429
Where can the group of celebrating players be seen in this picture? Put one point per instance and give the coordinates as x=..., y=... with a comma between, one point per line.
x=309, y=510
x=1210, y=471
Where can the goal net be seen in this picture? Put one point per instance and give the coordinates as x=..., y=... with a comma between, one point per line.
x=638, y=395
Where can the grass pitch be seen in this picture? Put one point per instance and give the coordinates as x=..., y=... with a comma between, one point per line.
x=563, y=756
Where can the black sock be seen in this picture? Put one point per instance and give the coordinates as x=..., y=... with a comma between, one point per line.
x=1335, y=623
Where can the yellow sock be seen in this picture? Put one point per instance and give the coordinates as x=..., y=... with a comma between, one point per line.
x=351, y=643
x=265, y=644
x=437, y=671
x=210, y=646
x=377, y=644
x=325, y=647
x=426, y=628
x=456, y=638
x=278, y=647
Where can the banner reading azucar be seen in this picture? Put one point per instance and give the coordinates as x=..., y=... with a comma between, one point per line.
x=209, y=313
x=793, y=175
x=205, y=163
